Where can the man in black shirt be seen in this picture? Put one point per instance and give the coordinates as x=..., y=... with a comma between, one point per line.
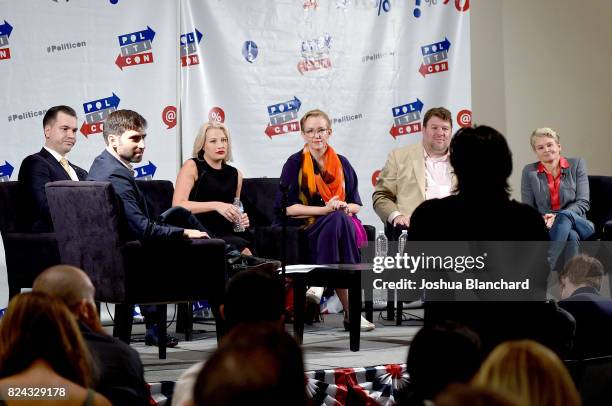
x=121, y=377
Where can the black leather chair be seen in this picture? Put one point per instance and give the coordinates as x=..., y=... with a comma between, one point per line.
x=27, y=254
x=258, y=196
x=601, y=206
x=593, y=379
x=88, y=220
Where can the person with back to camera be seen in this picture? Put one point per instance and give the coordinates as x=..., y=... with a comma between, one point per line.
x=482, y=211
x=121, y=374
x=439, y=355
x=255, y=364
x=243, y=289
x=207, y=186
x=529, y=373
x=323, y=198
x=581, y=280
x=559, y=188
x=41, y=347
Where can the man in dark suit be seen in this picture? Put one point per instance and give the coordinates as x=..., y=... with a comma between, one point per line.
x=581, y=280
x=50, y=164
x=124, y=134
x=120, y=368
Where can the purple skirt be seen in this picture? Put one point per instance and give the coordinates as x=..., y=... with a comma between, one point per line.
x=332, y=240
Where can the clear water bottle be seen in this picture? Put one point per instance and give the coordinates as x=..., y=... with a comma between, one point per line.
x=382, y=244
x=401, y=242
x=238, y=227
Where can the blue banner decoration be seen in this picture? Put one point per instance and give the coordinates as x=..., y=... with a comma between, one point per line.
x=436, y=47
x=286, y=106
x=101, y=104
x=6, y=29
x=6, y=170
x=145, y=171
x=408, y=108
x=138, y=36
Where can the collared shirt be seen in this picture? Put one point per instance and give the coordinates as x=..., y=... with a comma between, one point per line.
x=438, y=176
x=438, y=179
x=58, y=157
x=113, y=153
x=554, y=183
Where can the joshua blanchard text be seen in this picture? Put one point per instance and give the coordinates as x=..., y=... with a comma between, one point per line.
x=441, y=284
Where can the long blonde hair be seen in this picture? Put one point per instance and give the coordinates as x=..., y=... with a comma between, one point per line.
x=200, y=140
x=528, y=372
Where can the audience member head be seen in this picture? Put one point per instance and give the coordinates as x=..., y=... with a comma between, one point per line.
x=463, y=394
x=73, y=287
x=254, y=364
x=60, y=127
x=482, y=162
x=36, y=327
x=253, y=296
x=580, y=271
x=203, y=140
x=440, y=354
x=124, y=133
x=437, y=131
x=530, y=373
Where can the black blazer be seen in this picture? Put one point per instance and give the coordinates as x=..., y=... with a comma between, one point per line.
x=36, y=170
x=107, y=168
x=593, y=314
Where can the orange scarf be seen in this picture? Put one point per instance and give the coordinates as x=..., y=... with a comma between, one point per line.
x=329, y=182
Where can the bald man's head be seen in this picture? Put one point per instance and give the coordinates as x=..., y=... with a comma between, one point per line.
x=74, y=288
x=65, y=282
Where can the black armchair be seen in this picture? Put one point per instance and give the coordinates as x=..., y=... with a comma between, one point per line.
x=601, y=206
x=258, y=196
x=27, y=253
x=88, y=221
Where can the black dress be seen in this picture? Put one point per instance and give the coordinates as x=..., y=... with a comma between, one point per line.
x=218, y=185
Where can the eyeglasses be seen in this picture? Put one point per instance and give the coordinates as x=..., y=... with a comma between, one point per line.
x=320, y=132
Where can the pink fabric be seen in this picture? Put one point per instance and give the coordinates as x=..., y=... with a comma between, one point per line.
x=438, y=178
x=360, y=234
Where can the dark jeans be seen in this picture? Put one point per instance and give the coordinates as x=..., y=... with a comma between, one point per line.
x=566, y=232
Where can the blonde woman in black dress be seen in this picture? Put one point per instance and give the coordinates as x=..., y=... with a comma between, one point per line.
x=206, y=185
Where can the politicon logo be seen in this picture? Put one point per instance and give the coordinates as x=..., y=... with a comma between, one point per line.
x=435, y=57
x=136, y=48
x=190, y=43
x=406, y=119
x=96, y=112
x=5, y=32
x=283, y=117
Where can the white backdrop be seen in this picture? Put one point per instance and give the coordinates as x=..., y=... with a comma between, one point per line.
x=375, y=66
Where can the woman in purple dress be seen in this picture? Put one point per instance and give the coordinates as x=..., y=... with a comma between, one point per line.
x=323, y=198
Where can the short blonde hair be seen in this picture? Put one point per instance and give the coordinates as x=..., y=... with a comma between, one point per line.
x=543, y=132
x=200, y=140
x=314, y=113
x=530, y=373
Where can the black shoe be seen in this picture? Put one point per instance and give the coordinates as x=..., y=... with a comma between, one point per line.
x=151, y=339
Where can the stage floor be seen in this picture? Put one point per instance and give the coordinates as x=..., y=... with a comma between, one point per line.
x=326, y=346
